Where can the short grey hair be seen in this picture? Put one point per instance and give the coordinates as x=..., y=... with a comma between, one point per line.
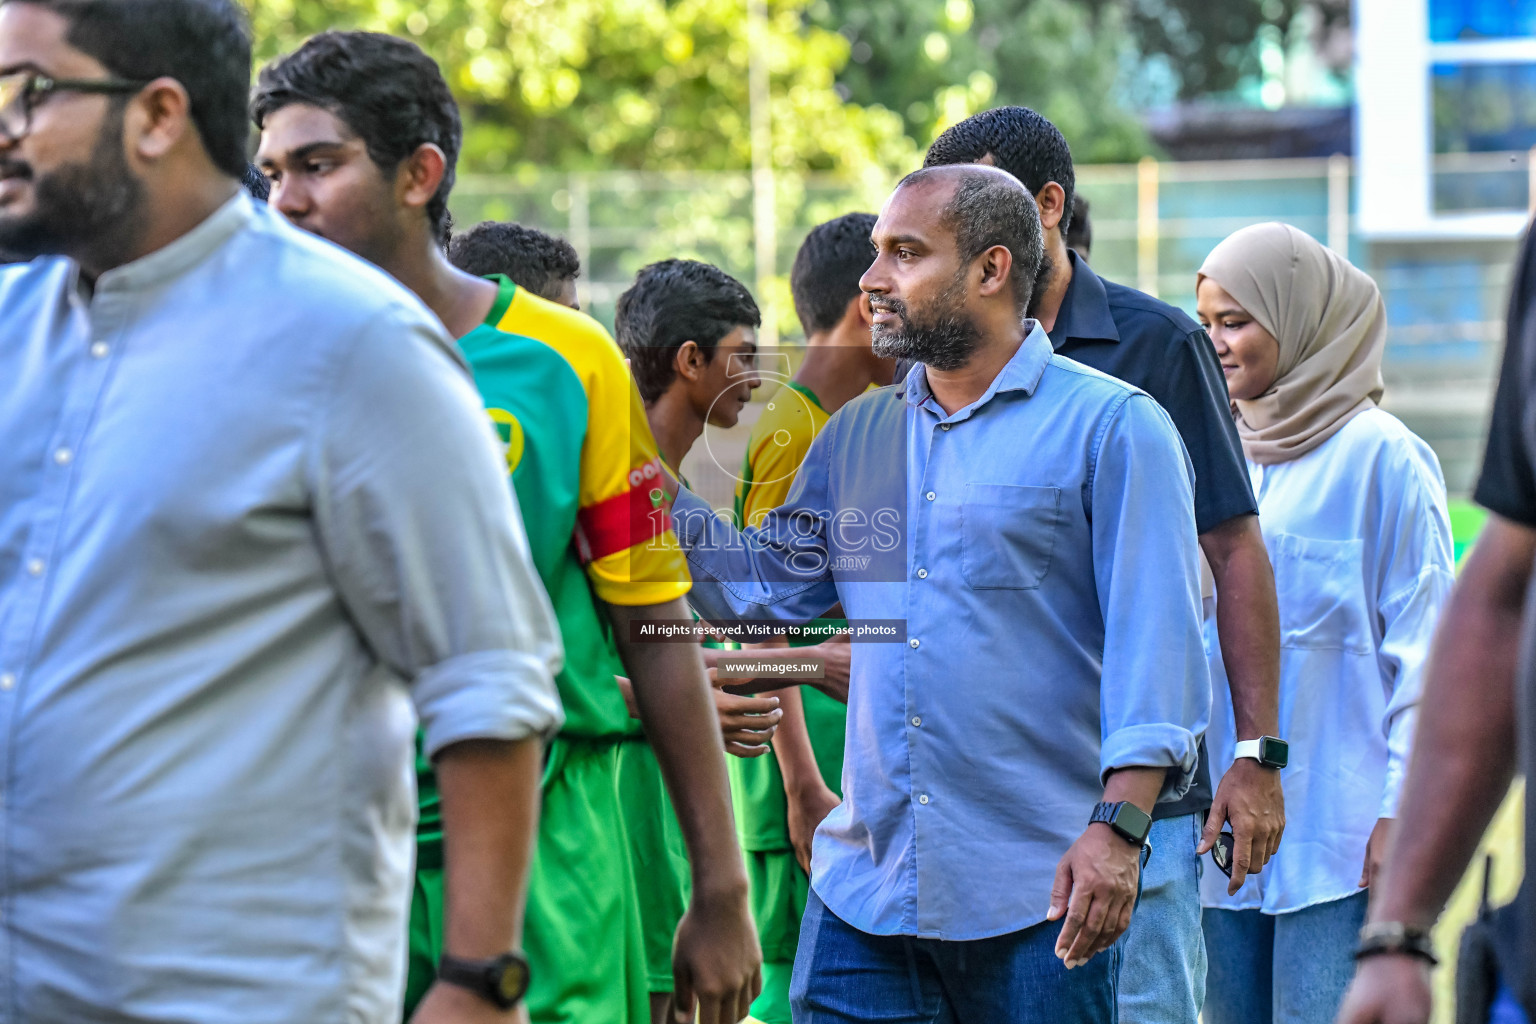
x=991, y=207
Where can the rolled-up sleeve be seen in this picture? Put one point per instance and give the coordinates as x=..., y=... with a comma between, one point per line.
x=1155, y=695
x=425, y=539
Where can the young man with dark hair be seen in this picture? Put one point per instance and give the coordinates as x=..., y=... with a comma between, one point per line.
x=1159, y=349
x=693, y=326
x=781, y=800
x=1005, y=752
x=221, y=584
x=583, y=460
x=543, y=264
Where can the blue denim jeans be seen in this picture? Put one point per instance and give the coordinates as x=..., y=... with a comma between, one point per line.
x=844, y=975
x=1162, y=964
x=1281, y=968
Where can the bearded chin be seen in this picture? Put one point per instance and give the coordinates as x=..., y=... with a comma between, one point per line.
x=943, y=336
x=95, y=206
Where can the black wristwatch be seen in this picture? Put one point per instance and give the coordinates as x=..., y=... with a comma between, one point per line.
x=1269, y=751
x=1129, y=821
x=501, y=981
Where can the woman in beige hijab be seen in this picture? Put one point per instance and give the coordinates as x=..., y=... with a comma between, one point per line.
x=1353, y=510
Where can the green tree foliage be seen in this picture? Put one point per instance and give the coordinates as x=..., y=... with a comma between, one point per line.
x=622, y=84
x=936, y=61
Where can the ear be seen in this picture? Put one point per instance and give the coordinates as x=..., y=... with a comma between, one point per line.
x=157, y=119
x=859, y=308
x=689, y=361
x=995, y=264
x=1052, y=201
x=420, y=175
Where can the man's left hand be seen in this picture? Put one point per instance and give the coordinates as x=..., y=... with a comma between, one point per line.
x=1251, y=799
x=450, y=1004
x=1376, y=852
x=1095, y=889
x=717, y=965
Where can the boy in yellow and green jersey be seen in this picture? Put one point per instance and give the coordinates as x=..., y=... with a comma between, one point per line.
x=689, y=330
x=780, y=800
x=359, y=137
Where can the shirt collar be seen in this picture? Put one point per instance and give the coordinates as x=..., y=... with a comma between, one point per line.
x=1084, y=313
x=177, y=258
x=1021, y=373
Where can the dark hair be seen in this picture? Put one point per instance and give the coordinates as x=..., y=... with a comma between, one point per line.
x=825, y=276
x=672, y=302
x=256, y=183
x=533, y=260
x=1080, y=236
x=989, y=209
x=203, y=44
x=383, y=88
x=1021, y=142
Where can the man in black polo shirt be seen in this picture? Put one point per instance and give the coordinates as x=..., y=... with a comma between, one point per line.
x=1477, y=714
x=1158, y=348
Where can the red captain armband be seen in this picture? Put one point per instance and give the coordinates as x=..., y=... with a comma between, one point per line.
x=637, y=515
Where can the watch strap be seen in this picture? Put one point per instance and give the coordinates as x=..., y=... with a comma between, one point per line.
x=1130, y=822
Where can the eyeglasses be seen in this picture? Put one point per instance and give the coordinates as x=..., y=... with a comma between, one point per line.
x=1221, y=853
x=22, y=91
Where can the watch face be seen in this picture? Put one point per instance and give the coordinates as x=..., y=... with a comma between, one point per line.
x=1274, y=753
x=513, y=982
x=1133, y=823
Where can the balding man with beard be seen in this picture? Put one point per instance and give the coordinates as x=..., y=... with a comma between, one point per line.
x=1026, y=525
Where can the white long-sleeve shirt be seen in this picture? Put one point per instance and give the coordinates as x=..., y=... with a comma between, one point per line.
x=251, y=510
x=1360, y=539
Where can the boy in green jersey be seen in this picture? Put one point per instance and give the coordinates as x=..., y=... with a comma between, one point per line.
x=781, y=800
x=543, y=264
x=359, y=138
x=689, y=330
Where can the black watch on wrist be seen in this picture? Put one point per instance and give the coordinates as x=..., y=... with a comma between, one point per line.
x=501, y=981
x=1129, y=821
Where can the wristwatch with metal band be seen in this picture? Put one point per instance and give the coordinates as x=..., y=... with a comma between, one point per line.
x=1130, y=822
x=1269, y=751
x=501, y=981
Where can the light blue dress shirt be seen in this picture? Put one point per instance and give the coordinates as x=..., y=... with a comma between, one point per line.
x=250, y=509
x=1040, y=547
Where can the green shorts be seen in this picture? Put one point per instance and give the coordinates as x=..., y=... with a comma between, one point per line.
x=778, y=892
x=581, y=931
x=658, y=856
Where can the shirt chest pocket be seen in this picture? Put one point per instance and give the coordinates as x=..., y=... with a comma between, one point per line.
x=1008, y=535
x=1320, y=586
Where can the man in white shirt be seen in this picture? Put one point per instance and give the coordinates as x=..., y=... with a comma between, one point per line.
x=250, y=510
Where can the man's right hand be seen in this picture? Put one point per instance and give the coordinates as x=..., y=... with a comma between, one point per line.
x=808, y=807
x=1388, y=989
x=746, y=723
x=716, y=960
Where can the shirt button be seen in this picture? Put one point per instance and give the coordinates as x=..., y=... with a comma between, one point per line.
x=930, y=495
x=917, y=720
x=922, y=574
x=923, y=798
x=910, y=643
x=7, y=681
x=62, y=456
x=945, y=426
x=35, y=567
x=99, y=350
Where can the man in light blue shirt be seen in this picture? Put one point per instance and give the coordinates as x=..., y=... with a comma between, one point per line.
x=1030, y=522
x=250, y=512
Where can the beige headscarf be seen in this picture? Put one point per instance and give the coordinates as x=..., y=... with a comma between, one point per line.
x=1330, y=322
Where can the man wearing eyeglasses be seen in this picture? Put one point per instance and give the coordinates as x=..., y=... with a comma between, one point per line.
x=250, y=510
